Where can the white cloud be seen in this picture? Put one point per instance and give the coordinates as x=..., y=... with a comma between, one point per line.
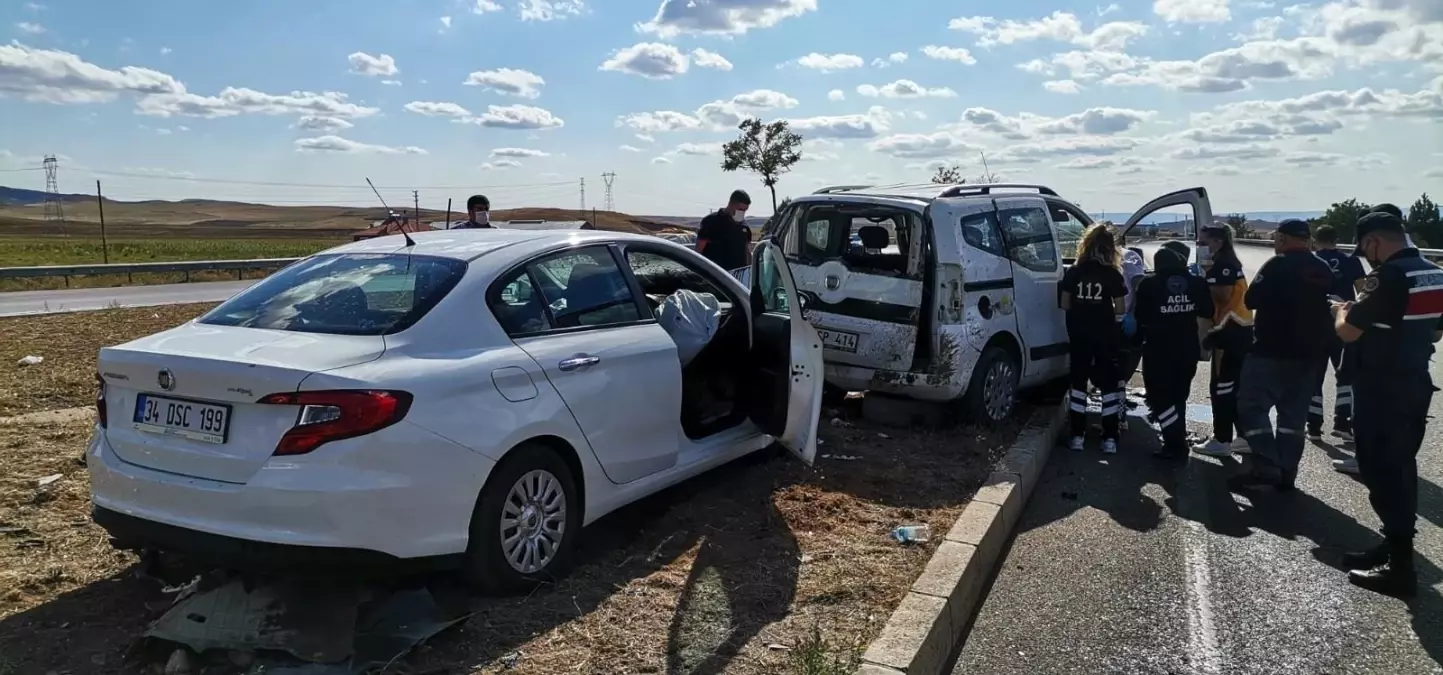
x=717, y=115
x=630, y=148
x=345, y=145
x=30, y=28
x=651, y=60
x=696, y=149
x=1265, y=28
x=873, y=123
x=926, y=146
x=436, y=109
x=517, y=117
x=707, y=59
x=1243, y=151
x=659, y=121
x=51, y=76
x=550, y=10
x=892, y=59
x=660, y=160
x=721, y=17
x=241, y=101
x=645, y=138
x=519, y=153
x=1097, y=121
x=1192, y=11
x=319, y=123
x=445, y=23
x=1059, y=26
x=1028, y=153
x=1062, y=86
x=830, y=62
x=957, y=54
x=508, y=82
x=764, y=99
x=165, y=51
x=484, y=6
x=905, y=89
x=836, y=95
x=372, y=66
x=500, y=164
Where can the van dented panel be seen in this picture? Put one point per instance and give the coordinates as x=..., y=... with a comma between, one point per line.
x=987, y=299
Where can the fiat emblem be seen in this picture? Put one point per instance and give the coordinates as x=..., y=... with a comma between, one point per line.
x=166, y=379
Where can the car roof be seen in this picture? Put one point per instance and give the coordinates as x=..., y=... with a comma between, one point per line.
x=473, y=243
x=924, y=193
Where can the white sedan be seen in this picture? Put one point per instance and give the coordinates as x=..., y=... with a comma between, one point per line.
x=469, y=401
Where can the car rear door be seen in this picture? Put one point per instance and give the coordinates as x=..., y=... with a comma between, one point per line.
x=576, y=314
x=787, y=355
x=1037, y=269
x=865, y=303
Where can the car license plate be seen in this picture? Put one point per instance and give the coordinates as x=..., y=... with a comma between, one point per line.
x=204, y=422
x=839, y=340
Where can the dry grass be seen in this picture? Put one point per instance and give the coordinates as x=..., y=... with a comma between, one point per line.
x=69, y=344
x=764, y=566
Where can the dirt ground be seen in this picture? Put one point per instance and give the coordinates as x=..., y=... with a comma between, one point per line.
x=762, y=566
x=68, y=343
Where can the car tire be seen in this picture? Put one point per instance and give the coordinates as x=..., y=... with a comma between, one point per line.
x=992, y=394
x=494, y=567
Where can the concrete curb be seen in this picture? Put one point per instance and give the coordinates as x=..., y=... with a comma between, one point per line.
x=927, y=626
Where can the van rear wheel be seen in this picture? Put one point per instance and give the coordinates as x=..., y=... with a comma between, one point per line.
x=992, y=394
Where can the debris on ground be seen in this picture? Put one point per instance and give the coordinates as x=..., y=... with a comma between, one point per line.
x=42, y=482
x=30, y=361
x=912, y=534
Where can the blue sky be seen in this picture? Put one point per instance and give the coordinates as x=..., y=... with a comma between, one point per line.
x=1273, y=106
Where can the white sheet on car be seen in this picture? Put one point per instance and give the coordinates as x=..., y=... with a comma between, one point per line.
x=691, y=319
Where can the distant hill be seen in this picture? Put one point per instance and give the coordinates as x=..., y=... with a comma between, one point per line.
x=22, y=197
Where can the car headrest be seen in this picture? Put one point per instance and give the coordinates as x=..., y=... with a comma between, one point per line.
x=580, y=272
x=874, y=236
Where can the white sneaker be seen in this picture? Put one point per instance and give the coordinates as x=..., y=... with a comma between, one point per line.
x=1348, y=466
x=1213, y=448
x=1076, y=444
x=1109, y=447
x=1241, y=447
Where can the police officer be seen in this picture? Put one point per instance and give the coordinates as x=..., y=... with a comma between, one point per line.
x=1289, y=351
x=1391, y=328
x=1093, y=298
x=1231, y=336
x=1173, y=308
x=1347, y=272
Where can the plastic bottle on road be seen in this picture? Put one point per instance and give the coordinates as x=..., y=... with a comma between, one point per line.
x=911, y=534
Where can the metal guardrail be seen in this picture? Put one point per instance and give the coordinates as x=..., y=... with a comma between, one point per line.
x=184, y=267
x=1434, y=254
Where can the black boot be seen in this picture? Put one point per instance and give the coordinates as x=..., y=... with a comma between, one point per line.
x=1257, y=476
x=1395, y=577
x=1367, y=559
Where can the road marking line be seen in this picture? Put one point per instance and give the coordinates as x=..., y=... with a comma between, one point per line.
x=1203, y=650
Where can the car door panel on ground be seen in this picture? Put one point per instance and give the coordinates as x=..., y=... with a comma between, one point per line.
x=575, y=314
x=859, y=267
x=1037, y=268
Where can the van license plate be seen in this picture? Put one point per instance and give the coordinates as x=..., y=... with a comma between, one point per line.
x=839, y=340
x=204, y=422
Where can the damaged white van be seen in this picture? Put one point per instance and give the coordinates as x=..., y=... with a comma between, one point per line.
x=942, y=292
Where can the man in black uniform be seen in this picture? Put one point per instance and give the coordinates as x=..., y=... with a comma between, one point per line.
x=723, y=239
x=1173, y=308
x=1347, y=272
x=478, y=212
x=1391, y=330
x=1289, y=298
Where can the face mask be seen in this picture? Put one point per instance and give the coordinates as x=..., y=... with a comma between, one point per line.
x=482, y=217
x=739, y=216
x=1204, y=254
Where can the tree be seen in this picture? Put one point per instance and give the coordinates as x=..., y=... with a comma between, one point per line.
x=768, y=150
x=1424, y=223
x=771, y=223
x=1343, y=217
x=1239, y=223
x=948, y=175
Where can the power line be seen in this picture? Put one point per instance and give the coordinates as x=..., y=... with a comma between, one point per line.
x=30, y=168
x=333, y=186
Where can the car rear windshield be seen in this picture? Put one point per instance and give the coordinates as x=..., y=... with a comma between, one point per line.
x=343, y=294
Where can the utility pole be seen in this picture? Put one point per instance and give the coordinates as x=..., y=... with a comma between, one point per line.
x=583, y=194
x=54, y=213
x=609, y=177
x=100, y=207
x=416, y=205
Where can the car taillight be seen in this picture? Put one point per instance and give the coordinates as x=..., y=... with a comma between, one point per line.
x=327, y=416
x=100, y=400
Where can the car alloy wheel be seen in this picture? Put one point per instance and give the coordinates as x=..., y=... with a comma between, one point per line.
x=999, y=390
x=533, y=521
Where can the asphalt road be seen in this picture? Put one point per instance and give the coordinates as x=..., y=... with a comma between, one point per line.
x=1129, y=565
x=17, y=303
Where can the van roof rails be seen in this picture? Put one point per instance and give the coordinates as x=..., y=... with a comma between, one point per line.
x=986, y=188
x=839, y=188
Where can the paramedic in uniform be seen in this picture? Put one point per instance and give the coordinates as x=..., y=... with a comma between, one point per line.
x=1173, y=308
x=1391, y=329
x=1092, y=296
x=1290, y=350
x=1231, y=336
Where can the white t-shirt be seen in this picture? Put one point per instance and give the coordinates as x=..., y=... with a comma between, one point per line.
x=1132, y=268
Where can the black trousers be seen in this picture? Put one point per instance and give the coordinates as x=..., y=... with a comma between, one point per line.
x=1094, y=359
x=1343, y=391
x=1230, y=348
x=1167, y=372
x=1391, y=417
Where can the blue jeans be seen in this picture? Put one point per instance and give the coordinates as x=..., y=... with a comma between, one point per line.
x=1287, y=386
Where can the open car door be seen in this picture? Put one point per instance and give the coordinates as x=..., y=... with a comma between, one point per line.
x=1197, y=198
x=787, y=354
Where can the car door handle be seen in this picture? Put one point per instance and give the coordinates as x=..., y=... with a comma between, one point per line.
x=578, y=362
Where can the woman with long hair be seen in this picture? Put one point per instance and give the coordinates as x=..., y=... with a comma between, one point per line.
x=1093, y=295
x=1230, y=339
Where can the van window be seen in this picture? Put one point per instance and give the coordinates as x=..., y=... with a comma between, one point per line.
x=870, y=239
x=1028, y=231
x=979, y=230
x=1070, y=225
